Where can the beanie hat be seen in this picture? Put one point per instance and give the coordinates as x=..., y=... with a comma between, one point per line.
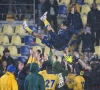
x=11, y=68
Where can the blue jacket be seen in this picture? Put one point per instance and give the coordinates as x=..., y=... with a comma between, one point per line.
x=60, y=40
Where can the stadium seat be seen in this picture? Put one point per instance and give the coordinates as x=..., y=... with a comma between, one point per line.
x=98, y=7
x=84, y=19
x=85, y=9
x=38, y=41
x=47, y=50
x=13, y=50
x=10, y=17
x=36, y=48
x=22, y=59
x=28, y=40
x=62, y=10
x=24, y=50
x=98, y=1
x=66, y=2
x=7, y=29
x=97, y=50
x=1, y=50
x=19, y=30
x=16, y=40
x=4, y=40
x=88, y=1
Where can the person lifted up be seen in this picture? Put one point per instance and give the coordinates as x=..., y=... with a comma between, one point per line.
x=58, y=41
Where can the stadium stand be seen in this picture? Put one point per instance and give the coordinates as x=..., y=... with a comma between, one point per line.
x=24, y=50
x=19, y=30
x=16, y=40
x=88, y=1
x=84, y=19
x=85, y=9
x=14, y=51
x=1, y=50
x=98, y=1
x=36, y=48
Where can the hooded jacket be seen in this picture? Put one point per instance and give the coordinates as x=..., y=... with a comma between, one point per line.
x=61, y=73
x=8, y=82
x=34, y=81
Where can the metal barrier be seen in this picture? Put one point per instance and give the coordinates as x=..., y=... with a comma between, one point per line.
x=14, y=6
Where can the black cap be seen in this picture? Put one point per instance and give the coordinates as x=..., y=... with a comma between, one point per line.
x=6, y=50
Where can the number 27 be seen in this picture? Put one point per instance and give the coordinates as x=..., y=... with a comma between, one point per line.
x=48, y=82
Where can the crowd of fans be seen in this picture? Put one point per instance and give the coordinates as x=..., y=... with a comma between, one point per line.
x=46, y=72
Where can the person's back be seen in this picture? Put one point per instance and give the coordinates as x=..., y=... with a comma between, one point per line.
x=34, y=81
x=8, y=82
x=51, y=81
x=79, y=83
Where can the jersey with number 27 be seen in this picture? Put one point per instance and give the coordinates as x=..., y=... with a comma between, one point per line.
x=51, y=80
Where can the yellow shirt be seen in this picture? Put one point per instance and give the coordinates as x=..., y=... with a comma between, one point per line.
x=51, y=81
x=43, y=72
x=78, y=83
x=32, y=59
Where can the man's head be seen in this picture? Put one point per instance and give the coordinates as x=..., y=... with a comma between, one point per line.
x=11, y=69
x=94, y=6
x=49, y=69
x=4, y=63
x=64, y=25
x=38, y=52
x=6, y=52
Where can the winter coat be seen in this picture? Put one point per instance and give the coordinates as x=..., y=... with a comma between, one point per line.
x=87, y=42
x=34, y=81
x=20, y=79
x=93, y=19
x=75, y=20
x=8, y=82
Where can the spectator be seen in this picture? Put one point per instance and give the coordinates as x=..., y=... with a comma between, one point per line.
x=21, y=75
x=23, y=72
x=70, y=5
x=41, y=10
x=52, y=9
x=7, y=81
x=6, y=56
x=20, y=9
x=3, y=68
x=34, y=81
x=3, y=9
x=88, y=42
x=93, y=77
x=73, y=17
x=93, y=19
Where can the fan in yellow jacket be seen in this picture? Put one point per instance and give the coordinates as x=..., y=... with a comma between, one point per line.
x=8, y=81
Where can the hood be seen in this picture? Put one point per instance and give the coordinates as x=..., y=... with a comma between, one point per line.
x=34, y=67
x=57, y=67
